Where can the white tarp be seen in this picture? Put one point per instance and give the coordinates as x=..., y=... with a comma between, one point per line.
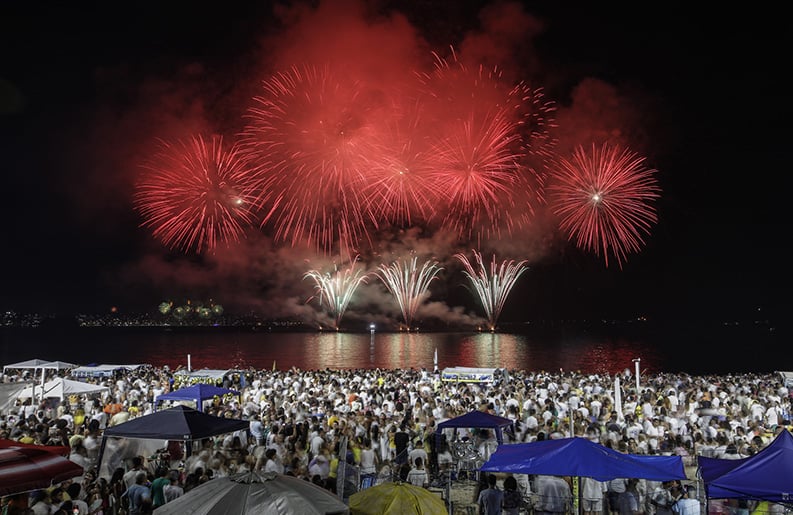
x=60, y=388
x=9, y=393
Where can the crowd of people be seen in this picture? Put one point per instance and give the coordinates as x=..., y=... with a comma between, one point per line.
x=381, y=425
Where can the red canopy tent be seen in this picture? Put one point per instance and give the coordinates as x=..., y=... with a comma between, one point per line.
x=25, y=467
x=61, y=450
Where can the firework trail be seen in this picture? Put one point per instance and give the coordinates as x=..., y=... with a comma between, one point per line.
x=605, y=200
x=311, y=138
x=492, y=288
x=536, y=122
x=537, y=119
x=337, y=289
x=408, y=284
x=196, y=194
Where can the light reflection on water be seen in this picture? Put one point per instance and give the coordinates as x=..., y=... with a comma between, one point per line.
x=315, y=351
x=321, y=350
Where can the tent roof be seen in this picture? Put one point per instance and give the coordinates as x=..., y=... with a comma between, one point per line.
x=23, y=469
x=582, y=458
x=60, y=388
x=61, y=450
x=40, y=363
x=768, y=475
x=177, y=423
x=204, y=373
x=475, y=419
x=197, y=392
x=101, y=370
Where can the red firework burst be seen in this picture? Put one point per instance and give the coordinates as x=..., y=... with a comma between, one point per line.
x=605, y=200
x=196, y=194
x=312, y=139
x=401, y=189
x=481, y=147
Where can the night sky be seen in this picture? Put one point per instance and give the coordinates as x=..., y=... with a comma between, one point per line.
x=85, y=92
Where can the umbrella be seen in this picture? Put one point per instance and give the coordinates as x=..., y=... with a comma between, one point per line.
x=403, y=498
x=252, y=492
x=23, y=469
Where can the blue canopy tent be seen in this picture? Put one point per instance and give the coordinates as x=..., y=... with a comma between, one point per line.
x=581, y=457
x=468, y=458
x=197, y=393
x=476, y=420
x=766, y=476
x=180, y=423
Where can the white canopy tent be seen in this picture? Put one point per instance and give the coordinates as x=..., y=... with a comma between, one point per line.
x=61, y=388
x=203, y=375
x=40, y=364
x=105, y=370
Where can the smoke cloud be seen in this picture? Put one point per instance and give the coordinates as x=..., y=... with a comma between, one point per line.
x=381, y=49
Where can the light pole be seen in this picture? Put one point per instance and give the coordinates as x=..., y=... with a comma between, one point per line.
x=636, y=363
x=371, y=343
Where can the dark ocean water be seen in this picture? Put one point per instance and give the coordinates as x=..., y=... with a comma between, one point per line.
x=714, y=349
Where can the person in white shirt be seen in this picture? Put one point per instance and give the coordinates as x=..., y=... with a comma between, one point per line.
x=368, y=458
x=256, y=429
x=273, y=462
x=418, y=475
x=531, y=421
x=685, y=503
x=592, y=494
x=772, y=414
x=317, y=443
x=418, y=451
x=553, y=495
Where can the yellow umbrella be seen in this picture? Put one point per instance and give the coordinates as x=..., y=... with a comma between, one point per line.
x=402, y=498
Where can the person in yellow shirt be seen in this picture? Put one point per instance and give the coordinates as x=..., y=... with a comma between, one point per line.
x=134, y=409
x=330, y=483
x=355, y=447
x=79, y=417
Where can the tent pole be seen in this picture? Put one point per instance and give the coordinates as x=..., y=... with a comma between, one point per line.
x=43, y=377
x=99, y=457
